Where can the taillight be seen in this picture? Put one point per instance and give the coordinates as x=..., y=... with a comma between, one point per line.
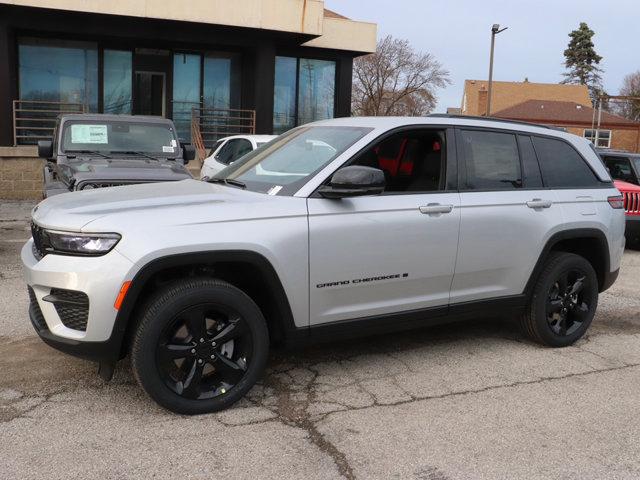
x=616, y=202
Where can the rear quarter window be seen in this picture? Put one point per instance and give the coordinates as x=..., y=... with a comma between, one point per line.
x=562, y=166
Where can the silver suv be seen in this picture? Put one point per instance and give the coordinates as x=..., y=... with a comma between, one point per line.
x=339, y=228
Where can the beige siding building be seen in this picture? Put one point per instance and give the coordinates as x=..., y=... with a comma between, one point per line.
x=508, y=94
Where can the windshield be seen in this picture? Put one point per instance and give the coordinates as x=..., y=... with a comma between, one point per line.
x=283, y=165
x=158, y=139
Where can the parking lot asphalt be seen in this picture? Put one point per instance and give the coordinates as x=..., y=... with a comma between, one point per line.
x=465, y=401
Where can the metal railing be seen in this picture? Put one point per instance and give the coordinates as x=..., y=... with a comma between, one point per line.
x=203, y=126
x=208, y=125
x=35, y=120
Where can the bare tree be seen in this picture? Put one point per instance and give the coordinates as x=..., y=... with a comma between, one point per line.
x=396, y=80
x=630, y=87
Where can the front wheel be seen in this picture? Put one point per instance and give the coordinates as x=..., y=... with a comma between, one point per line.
x=563, y=302
x=200, y=345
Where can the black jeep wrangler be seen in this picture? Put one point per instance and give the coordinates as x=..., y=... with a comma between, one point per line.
x=99, y=150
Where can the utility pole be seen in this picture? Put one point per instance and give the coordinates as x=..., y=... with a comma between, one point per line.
x=495, y=29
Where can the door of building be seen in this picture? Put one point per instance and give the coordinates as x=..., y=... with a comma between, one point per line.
x=149, y=93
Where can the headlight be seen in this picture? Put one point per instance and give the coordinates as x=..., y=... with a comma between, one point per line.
x=81, y=243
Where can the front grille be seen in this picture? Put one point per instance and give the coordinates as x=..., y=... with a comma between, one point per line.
x=105, y=184
x=37, y=317
x=631, y=202
x=72, y=307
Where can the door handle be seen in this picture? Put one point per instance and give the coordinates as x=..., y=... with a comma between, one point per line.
x=432, y=208
x=539, y=203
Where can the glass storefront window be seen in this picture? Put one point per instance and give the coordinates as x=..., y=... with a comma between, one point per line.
x=221, y=88
x=117, y=81
x=284, y=94
x=58, y=71
x=316, y=90
x=186, y=91
x=304, y=91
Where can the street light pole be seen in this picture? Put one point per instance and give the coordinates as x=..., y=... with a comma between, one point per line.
x=495, y=29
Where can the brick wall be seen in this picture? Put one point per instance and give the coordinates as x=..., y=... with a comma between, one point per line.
x=20, y=173
x=508, y=94
x=621, y=138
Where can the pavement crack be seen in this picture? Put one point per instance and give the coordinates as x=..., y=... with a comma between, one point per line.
x=460, y=393
x=14, y=410
x=292, y=408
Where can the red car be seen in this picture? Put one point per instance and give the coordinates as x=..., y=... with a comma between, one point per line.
x=625, y=171
x=631, y=194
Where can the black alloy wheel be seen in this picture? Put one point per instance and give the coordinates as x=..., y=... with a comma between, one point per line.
x=204, y=351
x=563, y=301
x=567, y=307
x=199, y=346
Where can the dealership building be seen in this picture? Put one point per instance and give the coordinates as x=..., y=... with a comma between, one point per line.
x=213, y=66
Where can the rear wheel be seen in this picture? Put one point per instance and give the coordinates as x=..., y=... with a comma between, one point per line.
x=200, y=345
x=563, y=302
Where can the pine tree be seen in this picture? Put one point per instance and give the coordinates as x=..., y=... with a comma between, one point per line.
x=581, y=60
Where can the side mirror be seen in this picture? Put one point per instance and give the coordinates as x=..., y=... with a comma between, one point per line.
x=188, y=152
x=45, y=148
x=354, y=181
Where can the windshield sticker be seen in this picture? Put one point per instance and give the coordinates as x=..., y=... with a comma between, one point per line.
x=274, y=190
x=167, y=149
x=89, y=134
x=174, y=143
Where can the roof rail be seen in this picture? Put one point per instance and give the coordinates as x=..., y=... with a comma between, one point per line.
x=493, y=119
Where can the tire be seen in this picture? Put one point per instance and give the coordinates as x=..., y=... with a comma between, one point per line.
x=633, y=242
x=175, y=356
x=554, y=317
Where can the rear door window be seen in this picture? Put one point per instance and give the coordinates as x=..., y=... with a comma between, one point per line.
x=562, y=166
x=491, y=159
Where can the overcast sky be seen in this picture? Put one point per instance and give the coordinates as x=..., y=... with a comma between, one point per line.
x=458, y=32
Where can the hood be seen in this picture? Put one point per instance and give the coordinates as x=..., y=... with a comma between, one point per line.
x=116, y=209
x=127, y=170
x=626, y=186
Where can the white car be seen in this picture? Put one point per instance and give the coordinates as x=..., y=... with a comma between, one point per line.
x=228, y=149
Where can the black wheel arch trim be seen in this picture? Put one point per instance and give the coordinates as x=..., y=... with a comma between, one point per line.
x=114, y=348
x=604, y=279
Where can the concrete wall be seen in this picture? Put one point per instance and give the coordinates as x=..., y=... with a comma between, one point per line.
x=20, y=173
x=304, y=17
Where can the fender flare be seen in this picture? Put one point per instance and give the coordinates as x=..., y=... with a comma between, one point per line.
x=276, y=290
x=572, y=234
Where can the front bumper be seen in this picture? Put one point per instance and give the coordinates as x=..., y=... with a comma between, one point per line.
x=100, y=278
x=108, y=350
